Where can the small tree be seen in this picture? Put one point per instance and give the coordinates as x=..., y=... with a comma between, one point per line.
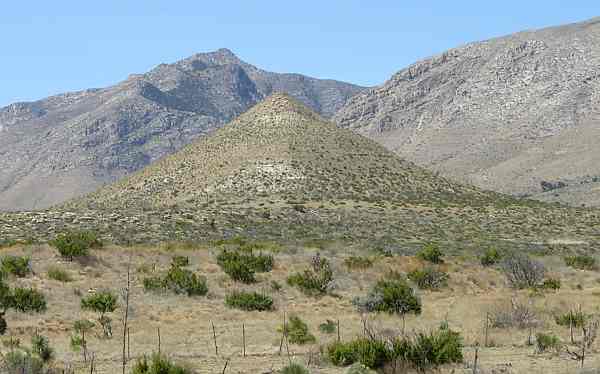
x=102, y=302
x=75, y=243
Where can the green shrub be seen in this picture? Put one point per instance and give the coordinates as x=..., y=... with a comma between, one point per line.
x=297, y=332
x=358, y=262
x=241, y=265
x=102, y=302
x=16, y=265
x=158, y=364
x=179, y=281
x=239, y=271
x=391, y=296
x=315, y=280
x=40, y=345
x=575, y=319
x=75, y=243
x=294, y=368
x=423, y=351
x=22, y=361
x=431, y=253
x=583, y=262
x=28, y=300
x=249, y=301
x=429, y=278
x=328, y=327
x=545, y=342
x=59, y=274
x=180, y=261
x=551, y=284
x=491, y=257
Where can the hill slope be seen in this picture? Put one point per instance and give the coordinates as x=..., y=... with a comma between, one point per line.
x=503, y=114
x=67, y=145
x=279, y=148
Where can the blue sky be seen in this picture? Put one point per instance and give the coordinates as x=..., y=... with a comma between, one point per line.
x=49, y=47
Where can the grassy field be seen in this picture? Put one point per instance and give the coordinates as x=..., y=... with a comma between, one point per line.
x=473, y=292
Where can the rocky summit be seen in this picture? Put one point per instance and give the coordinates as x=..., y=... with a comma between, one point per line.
x=514, y=114
x=67, y=145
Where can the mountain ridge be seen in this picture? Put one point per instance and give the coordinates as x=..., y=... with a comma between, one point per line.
x=70, y=144
x=504, y=114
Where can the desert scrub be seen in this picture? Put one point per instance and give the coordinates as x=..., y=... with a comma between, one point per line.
x=59, y=274
x=328, y=327
x=491, y=257
x=359, y=368
x=358, y=263
x=315, y=280
x=40, y=345
x=431, y=253
x=571, y=319
x=102, y=303
x=429, y=278
x=158, y=364
x=582, y=262
x=421, y=352
x=28, y=300
x=179, y=281
x=297, y=332
x=180, y=261
x=390, y=296
x=294, y=368
x=18, y=266
x=545, y=342
x=552, y=284
x=242, y=265
x=73, y=244
x=522, y=271
x=249, y=301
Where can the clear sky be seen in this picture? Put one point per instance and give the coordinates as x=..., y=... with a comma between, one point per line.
x=49, y=47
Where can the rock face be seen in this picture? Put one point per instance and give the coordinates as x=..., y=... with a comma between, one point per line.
x=67, y=145
x=503, y=114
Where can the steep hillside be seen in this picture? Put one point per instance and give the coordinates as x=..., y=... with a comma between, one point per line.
x=280, y=149
x=67, y=145
x=505, y=114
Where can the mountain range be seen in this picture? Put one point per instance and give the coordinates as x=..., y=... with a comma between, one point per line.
x=67, y=145
x=518, y=114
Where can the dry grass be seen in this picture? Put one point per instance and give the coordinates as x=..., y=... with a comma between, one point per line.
x=185, y=323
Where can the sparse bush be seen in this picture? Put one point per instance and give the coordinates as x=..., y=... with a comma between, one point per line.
x=328, y=327
x=545, y=342
x=180, y=261
x=371, y=353
x=576, y=319
x=158, y=364
x=391, y=296
x=40, y=345
x=316, y=280
x=431, y=253
x=582, y=262
x=59, y=274
x=75, y=243
x=523, y=271
x=276, y=286
x=491, y=257
x=102, y=302
x=297, y=332
x=294, y=368
x=517, y=314
x=28, y=300
x=249, y=301
x=551, y=284
x=429, y=278
x=16, y=265
x=358, y=262
x=179, y=281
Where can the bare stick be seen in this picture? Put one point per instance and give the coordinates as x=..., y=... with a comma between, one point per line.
x=475, y=361
x=128, y=342
x=158, y=332
x=92, y=363
x=225, y=367
x=282, y=334
x=338, y=330
x=244, y=338
x=487, y=324
x=215, y=339
x=126, y=316
x=84, y=344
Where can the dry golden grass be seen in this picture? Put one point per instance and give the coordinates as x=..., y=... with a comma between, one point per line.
x=185, y=323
